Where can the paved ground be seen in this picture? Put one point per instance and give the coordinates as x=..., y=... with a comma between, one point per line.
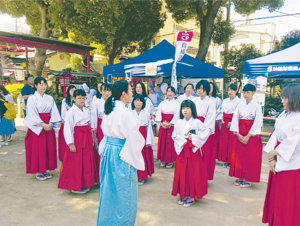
x=26, y=201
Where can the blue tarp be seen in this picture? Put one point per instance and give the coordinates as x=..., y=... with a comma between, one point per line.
x=162, y=56
x=281, y=64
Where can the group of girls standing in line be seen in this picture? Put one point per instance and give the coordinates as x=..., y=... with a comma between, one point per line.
x=7, y=127
x=120, y=126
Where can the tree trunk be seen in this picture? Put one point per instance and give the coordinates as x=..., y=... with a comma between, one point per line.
x=206, y=28
x=46, y=30
x=113, y=52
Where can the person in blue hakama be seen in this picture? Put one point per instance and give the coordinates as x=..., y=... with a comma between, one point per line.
x=121, y=156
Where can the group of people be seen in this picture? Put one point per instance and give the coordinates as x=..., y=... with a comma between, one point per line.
x=110, y=142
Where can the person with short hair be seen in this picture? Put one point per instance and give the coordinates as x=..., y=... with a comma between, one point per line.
x=66, y=104
x=166, y=115
x=188, y=91
x=121, y=157
x=247, y=124
x=40, y=140
x=226, y=136
x=282, y=201
x=138, y=107
x=139, y=88
x=206, y=110
x=27, y=90
x=78, y=171
x=189, y=135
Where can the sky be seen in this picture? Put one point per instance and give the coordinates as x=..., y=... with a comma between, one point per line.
x=283, y=24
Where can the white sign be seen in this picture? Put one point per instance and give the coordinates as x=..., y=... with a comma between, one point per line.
x=182, y=43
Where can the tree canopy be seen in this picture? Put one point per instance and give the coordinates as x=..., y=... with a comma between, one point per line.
x=206, y=12
x=292, y=38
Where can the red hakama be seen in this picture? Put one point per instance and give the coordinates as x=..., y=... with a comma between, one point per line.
x=217, y=135
x=209, y=150
x=99, y=135
x=166, y=151
x=190, y=176
x=226, y=140
x=246, y=159
x=41, y=149
x=78, y=169
x=148, y=158
x=61, y=143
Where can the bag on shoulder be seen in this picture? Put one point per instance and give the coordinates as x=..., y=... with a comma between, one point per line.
x=11, y=112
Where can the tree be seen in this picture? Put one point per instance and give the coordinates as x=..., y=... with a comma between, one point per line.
x=37, y=16
x=205, y=12
x=292, y=38
x=118, y=25
x=236, y=58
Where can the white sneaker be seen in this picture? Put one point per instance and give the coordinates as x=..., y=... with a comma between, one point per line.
x=5, y=143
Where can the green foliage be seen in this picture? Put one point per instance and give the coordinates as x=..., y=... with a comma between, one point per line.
x=236, y=58
x=292, y=38
x=118, y=25
x=14, y=90
x=205, y=14
x=51, y=90
x=222, y=31
x=272, y=102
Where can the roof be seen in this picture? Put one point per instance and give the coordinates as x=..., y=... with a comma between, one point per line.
x=75, y=74
x=162, y=57
x=281, y=64
x=47, y=43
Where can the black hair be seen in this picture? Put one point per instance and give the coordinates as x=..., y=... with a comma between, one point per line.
x=68, y=97
x=106, y=86
x=291, y=91
x=138, y=97
x=4, y=90
x=172, y=89
x=28, y=76
x=189, y=104
x=215, y=90
x=39, y=80
x=205, y=85
x=249, y=87
x=79, y=92
x=189, y=84
x=233, y=87
x=98, y=94
x=117, y=89
x=144, y=93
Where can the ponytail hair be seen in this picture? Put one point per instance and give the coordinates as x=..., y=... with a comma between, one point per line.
x=117, y=89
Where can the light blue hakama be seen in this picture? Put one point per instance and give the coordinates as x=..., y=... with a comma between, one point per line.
x=118, y=186
x=6, y=127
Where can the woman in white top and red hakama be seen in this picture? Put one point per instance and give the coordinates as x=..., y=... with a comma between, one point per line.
x=190, y=176
x=246, y=156
x=226, y=136
x=66, y=104
x=218, y=105
x=97, y=112
x=40, y=141
x=206, y=110
x=121, y=155
x=282, y=202
x=188, y=91
x=138, y=105
x=78, y=171
x=167, y=114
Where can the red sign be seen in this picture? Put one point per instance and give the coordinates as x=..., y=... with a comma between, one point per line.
x=185, y=36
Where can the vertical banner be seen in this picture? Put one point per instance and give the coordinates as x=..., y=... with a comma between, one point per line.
x=183, y=39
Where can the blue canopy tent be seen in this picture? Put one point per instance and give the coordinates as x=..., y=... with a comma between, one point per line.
x=162, y=57
x=283, y=64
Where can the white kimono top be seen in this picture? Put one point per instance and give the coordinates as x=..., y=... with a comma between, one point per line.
x=287, y=132
x=75, y=117
x=64, y=108
x=168, y=107
x=143, y=119
x=249, y=111
x=148, y=106
x=218, y=105
x=183, y=97
x=121, y=123
x=229, y=106
x=97, y=111
x=181, y=131
x=40, y=104
x=207, y=108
